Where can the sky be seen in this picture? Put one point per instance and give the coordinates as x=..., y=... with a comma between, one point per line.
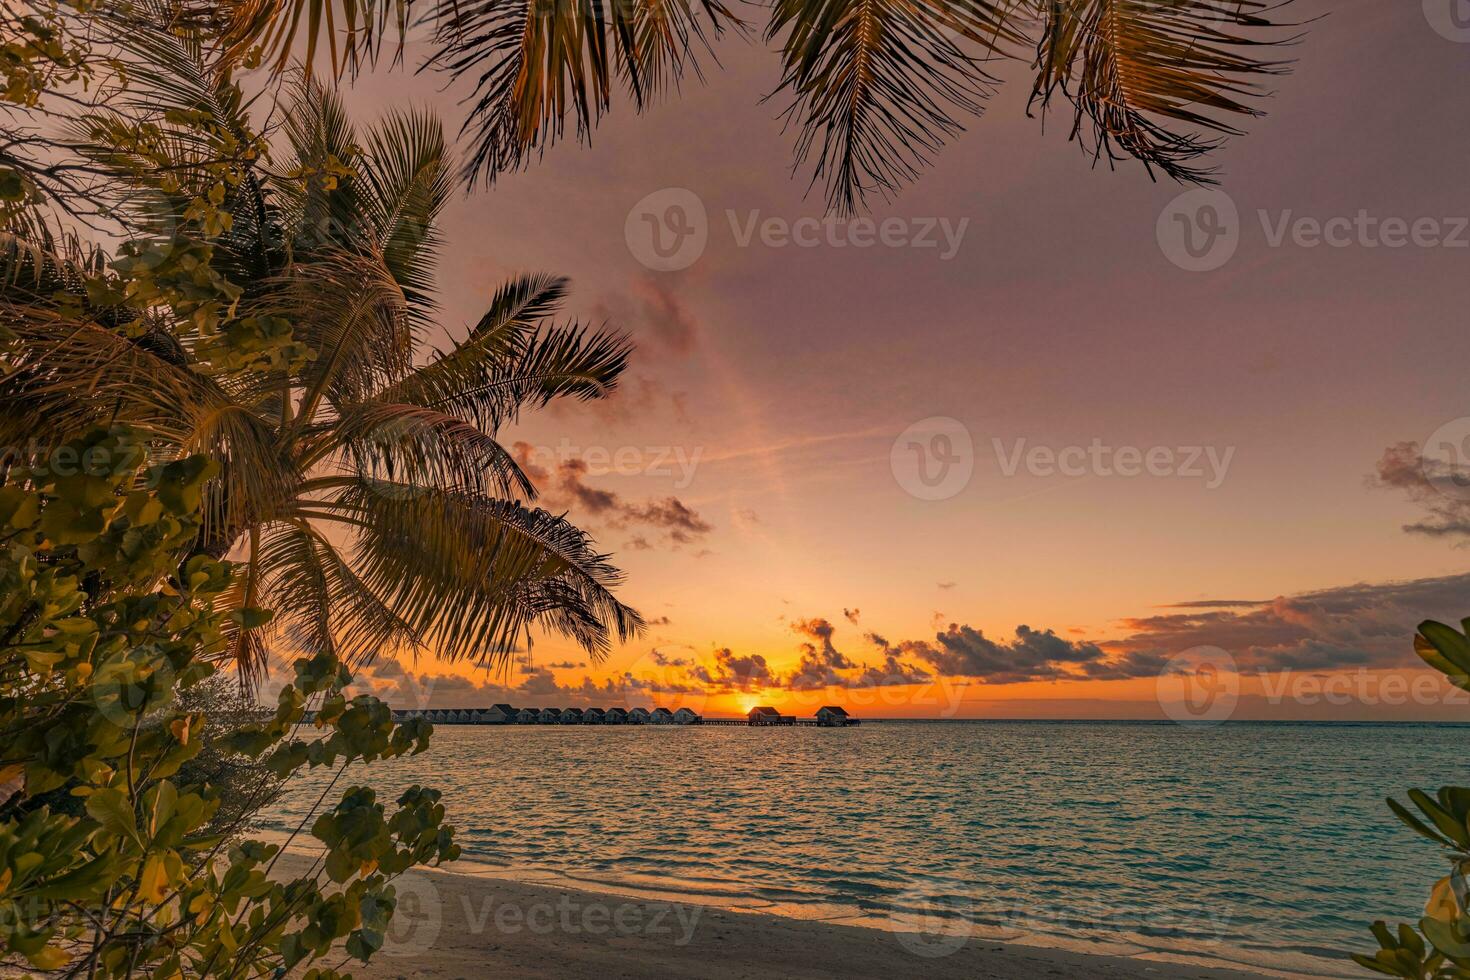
x=887, y=465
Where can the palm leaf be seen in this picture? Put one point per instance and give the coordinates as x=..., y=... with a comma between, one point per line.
x=538, y=63
x=353, y=31
x=876, y=85
x=421, y=447
x=70, y=376
x=351, y=313
x=1134, y=68
x=507, y=363
x=471, y=574
x=406, y=181
x=319, y=601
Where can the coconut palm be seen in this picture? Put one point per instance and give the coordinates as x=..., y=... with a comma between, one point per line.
x=362, y=483
x=873, y=87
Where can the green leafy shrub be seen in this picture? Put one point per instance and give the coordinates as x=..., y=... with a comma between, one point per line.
x=1438, y=946
x=105, y=628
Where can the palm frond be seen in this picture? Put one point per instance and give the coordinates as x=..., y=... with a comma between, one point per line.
x=538, y=62
x=351, y=313
x=319, y=601
x=68, y=376
x=472, y=574
x=420, y=446
x=353, y=31
x=319, y=193
x=406, y=181
x=510, y=360
x=876, y=85
x=1132, y=69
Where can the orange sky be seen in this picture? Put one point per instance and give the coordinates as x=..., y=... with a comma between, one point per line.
x=745, y=476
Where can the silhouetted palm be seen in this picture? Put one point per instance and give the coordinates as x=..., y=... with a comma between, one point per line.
x=362, y=483
x=875, y=87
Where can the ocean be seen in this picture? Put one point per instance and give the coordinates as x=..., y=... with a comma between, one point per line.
x=1257, y=844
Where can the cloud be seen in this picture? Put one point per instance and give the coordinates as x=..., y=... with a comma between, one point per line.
x=947, y=585
x=732, y=672
x=563, y=486
x=1359, y=625
x=852, y=615
x=963, y=651
x=567, y=665
x=1404, y=467
x=663, y=327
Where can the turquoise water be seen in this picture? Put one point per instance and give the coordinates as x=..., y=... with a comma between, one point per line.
x=1256, y=843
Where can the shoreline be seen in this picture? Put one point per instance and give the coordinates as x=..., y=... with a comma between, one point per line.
x=472, y=919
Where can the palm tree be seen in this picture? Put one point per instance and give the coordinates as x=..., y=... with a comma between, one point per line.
x=874, y=87
x=362, y=485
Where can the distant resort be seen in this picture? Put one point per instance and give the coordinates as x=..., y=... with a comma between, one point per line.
x=504, y=714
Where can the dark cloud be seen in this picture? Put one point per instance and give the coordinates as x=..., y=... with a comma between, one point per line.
x=963, y=651
x=1351, y=626
x=567, y=665
x=947, y=585
x=852, y=615
x=732, y=672
x=663, y=327
x=563, y=486
x=664, y=660
x=1427, y=482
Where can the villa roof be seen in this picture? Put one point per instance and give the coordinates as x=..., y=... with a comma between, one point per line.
x=834, y=709
x=765, y=709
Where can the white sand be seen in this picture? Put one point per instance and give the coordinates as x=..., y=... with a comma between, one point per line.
x=475, y=922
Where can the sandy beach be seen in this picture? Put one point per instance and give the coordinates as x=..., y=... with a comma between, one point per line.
x=473, y=922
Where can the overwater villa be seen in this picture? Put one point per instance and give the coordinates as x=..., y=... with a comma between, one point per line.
x=594, y=716
x=527, y=716
x=832, y=717
x=766, y=715
x=549, y=716
x=616, y=716
x=661, y=716
x=639, y=716
x=685, y=716
x=500, y=714
x=571, y=716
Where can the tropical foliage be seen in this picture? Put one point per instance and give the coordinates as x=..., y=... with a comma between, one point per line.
x=872, y=87
x=272, y=307
x=1437, y=947
x=109, y=865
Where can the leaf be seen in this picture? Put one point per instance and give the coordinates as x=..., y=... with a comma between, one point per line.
x=876, y=85
x=153, y=880
x=1133, y=69
x=537, y=64
x=114, y=811
x=165, y=798
x=1454, y=829
x=49, y=958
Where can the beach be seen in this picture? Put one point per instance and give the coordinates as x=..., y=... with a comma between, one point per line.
x=1108, y=847
x=475, y=922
